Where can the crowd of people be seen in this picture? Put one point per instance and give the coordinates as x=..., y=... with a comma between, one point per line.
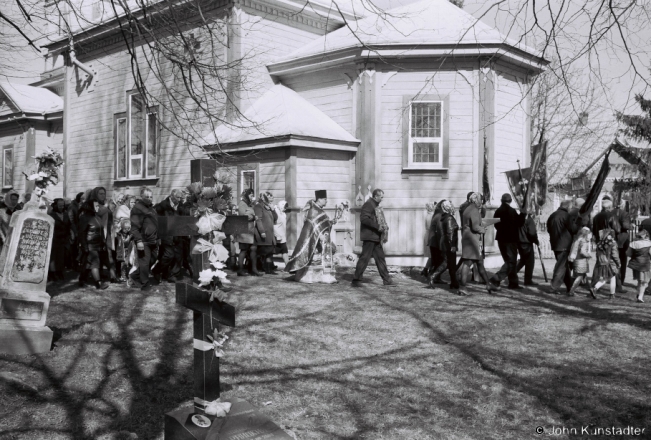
x=118, y=240
x=571, y=234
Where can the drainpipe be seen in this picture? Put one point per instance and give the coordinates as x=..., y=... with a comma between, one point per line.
x=82, y=66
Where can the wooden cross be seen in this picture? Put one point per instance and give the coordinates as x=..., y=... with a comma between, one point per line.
x=207, y=316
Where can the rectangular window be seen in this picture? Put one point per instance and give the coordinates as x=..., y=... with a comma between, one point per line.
x=425, y=134
x=136, y=140
x=8, y=167
x=248, y=180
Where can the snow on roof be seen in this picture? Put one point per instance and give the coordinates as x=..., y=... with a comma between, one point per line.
x=281, y=112
x=30, y=99
x=430, y=22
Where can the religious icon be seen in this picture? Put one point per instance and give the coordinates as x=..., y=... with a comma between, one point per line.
x=201, y=421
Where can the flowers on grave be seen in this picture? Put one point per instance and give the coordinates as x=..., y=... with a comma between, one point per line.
x=209, y=199
x=44, y=172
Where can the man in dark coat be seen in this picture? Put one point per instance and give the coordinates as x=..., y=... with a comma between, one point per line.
x=560, y=236
x=527, y=238
x=605, y=219
x=623, y=241
x=507, y=241
x=144, y=229
x=170, y=252
x=371, y=236
x=576, y=220
x=435, y=237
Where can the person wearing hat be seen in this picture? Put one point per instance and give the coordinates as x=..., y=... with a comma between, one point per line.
x=507, y=241
x=640, y=262
x=371, y=236
x=313, y=239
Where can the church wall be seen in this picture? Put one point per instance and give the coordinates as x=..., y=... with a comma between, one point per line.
x=266, y=37
x=317, y=170
x=90, y=123
x=412, y=189
x=330, y=91
x=511, y=138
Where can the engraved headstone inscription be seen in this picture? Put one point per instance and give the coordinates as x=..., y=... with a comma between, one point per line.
x=23, y=276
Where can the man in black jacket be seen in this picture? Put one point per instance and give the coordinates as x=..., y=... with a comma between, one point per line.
x=170, y=252
x=371, y=236
x=507, y=241
x=560, y=236
x=144, y=229
x=527, y=238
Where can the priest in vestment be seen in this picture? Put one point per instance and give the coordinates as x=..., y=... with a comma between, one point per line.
x=314, y=246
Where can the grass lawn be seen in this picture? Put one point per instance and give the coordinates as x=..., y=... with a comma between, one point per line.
x=333, y=362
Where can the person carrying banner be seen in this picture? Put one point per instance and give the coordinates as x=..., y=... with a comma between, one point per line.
x=623, y=241
x=527, y=238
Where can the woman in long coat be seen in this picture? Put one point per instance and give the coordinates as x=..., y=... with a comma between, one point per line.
x=264, y=230
x=472, y=229
x=448, y=245
x=92, y=241
x=61, y=239
x=246, y=241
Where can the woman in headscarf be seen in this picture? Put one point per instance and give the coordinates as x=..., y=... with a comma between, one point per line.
x=92, y=240
x=106, y=219
x=472, y=229
x=447, y=245
x=61, y=239
x=246, y=240
x=73, y=216
x=6, y=211
x=264, y=230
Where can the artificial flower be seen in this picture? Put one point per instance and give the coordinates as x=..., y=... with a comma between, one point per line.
x=205, y=277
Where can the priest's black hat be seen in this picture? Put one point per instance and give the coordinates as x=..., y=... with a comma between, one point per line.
x=321, y=194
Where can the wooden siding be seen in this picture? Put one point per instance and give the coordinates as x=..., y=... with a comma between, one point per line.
x=414, y=189
x=323, y=170
x=510, y=127
x=330, y=92
x=265, y=38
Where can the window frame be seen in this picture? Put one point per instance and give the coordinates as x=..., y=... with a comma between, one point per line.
x=241, y=169
x=145, y=135
x=408, y=163
x=13, y=161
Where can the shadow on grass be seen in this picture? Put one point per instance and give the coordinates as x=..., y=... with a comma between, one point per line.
x=340, y=363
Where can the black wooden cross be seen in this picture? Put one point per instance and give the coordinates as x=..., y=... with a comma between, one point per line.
x=207, y=315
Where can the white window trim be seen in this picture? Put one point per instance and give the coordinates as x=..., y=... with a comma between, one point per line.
x=255, y=179
x=439, y=140
x=143, y=156
x=4, y=157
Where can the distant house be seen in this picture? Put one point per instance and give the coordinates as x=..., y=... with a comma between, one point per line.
x=31, y=118
x=406, y=102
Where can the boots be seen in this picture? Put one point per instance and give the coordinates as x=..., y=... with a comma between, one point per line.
x=268, y=268
x=435, y=276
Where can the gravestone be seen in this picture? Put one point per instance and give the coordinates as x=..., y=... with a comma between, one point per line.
x=192, y=423
x=24, y=264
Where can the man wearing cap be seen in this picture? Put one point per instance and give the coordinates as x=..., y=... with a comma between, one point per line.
x=507, y=241
x=316, y=230
x=371, y=236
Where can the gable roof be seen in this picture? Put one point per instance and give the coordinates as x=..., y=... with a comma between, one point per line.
x=278, y=113
x=427, y=22
x=31, y=100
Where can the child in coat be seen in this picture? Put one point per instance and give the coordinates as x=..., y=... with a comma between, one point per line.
x=579, y=256
x=607, y=264
x=123, y=249
x=640, y=261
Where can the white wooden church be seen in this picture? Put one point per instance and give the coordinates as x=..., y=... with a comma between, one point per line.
x=344, y=100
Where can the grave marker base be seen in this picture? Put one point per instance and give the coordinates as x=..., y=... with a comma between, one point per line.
x=243, y=422
x=16, y=339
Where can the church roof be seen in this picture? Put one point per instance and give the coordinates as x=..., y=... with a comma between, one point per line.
x=29, y=99
x=424, y=23
x=280, y=112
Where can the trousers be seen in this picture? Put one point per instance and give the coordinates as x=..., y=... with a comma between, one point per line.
x=372, y=249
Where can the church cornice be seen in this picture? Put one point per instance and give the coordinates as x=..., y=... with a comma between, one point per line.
x=108, y=33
